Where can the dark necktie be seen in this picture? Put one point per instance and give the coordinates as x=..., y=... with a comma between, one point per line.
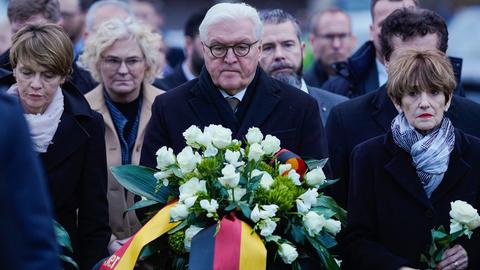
x=233, y=102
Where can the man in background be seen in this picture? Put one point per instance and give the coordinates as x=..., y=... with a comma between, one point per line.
x=332, y=41
x=282, y=57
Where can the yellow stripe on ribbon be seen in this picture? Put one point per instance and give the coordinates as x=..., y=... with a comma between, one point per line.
x=253, y=253
x=154, y=228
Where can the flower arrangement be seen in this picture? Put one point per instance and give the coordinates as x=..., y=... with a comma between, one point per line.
x=464, y=219
x=213, y=180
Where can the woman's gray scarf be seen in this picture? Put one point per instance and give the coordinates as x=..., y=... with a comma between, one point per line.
x=430, y=152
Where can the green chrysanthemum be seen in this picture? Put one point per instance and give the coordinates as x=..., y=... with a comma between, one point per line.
x=263, y=166
x=283, y=193
x=209, y=166
x=175, y=242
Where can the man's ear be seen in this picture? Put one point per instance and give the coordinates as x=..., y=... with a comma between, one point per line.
x=302, y=46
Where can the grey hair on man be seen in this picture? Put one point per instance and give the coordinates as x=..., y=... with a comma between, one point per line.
x=230, y=11
x=89, y=17
x=278, y=16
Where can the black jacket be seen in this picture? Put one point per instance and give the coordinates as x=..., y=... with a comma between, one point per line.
x=176, y=78
x=360, y=75
x=276, y=108
x=365, y=117
x=390, y=215
x=316, y=75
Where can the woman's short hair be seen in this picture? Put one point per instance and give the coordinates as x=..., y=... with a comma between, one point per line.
x=117, y=29
x=230, y=11
x=46, y=45
x=416, y=70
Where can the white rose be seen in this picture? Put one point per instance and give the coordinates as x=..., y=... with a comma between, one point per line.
x=162, y=175
x=192, y=136
x=221, y=137
x=315, y=177
x=282, y=168
x=333, y=226
x=165, y=157
x=288, y=253
x=189, y=234
x=302, y=207
x=209, y=206
x=465, y=214
x=268, y=227
x=179, y=212
x=267, y=212
x=254, y=135
x=255, y=214
x=233, y=158
x=295, y=177
x=314, y=223
x=271, y=145
x=255, y=152
x=191, y=188
x=187, y=160
x=266, y=181
x=211, y=151
x=230, y=177
x=238, y=192
x=190, y=201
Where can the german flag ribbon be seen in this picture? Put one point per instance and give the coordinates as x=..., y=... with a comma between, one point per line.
x=126, y=257
x=235, y=247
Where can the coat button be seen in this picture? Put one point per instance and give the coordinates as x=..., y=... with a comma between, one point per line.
x=429, y=213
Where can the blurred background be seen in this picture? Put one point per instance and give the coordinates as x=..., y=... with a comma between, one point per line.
x=461, y=15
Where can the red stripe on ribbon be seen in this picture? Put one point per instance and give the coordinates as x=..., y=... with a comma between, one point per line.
x=227, y=244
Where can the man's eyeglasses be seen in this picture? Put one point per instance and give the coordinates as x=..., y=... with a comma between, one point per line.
x=239, y=49
x=114, y=63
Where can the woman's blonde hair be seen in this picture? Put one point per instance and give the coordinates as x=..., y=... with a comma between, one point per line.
x=415, y=70
x=116, y=29
x=46, y=45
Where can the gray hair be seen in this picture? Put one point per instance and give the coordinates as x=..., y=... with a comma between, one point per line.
x=102, y=3
x=278, y=16
x=119, y=29
x=230, y=11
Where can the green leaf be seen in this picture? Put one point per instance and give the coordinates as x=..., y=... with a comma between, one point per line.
x=69, y=260
x=139, y=180
x=231, y=206
x=326, y=212
x=325, y=257
x=315, y=163
x=329, y=202
x=298, y=234
x=328, y=183
x=437, y=235
x=296, y=265
x=326, y=239
x=62, y=236
x=245, y=209
x=140, y=204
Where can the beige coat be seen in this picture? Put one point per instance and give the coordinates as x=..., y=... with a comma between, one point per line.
x=122, y=226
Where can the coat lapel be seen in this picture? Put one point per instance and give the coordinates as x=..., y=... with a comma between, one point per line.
x=383, y=110
x=401, y=169
x=264, y=100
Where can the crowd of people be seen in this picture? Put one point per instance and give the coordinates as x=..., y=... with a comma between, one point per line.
x=84, y=88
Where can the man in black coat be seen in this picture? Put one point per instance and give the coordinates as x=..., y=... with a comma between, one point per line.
x=368, y=116
x=26, y=219
x=232, y=50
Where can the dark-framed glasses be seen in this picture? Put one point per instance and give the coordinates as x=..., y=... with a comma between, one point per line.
x=114, y=63
x=239, y=49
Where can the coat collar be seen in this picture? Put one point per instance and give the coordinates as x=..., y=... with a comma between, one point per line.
x=211, y=108
x=383, y=110
x=401, y=169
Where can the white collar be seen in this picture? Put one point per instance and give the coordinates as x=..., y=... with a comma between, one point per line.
x=186, y=71
x=382, y=72
x=304, y=86
x=238, y=95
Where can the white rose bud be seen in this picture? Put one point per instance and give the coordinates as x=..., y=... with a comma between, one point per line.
x=465, y=214
x=295, y=177
x=238, y=192
x=179, y=212
x=162, y=175
x=302, y=207
x=266, y=181
x=310, y=196
x=288, y=253
x=221, y=137
x=187, y=160
x=211, y=151
x=314, y=223
x=282, y=168
x=315, y=177
x=255, y=152
x=192, y=187
x=209, y=206
x=189, y=234
x=192, y=136
x=254, y=135
x=233, y=158
x=255, y=214
x=165, y=158
x=190, y=201
x=333, y=226
x=268, y=227
x=230, y=177
x=271, y=145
